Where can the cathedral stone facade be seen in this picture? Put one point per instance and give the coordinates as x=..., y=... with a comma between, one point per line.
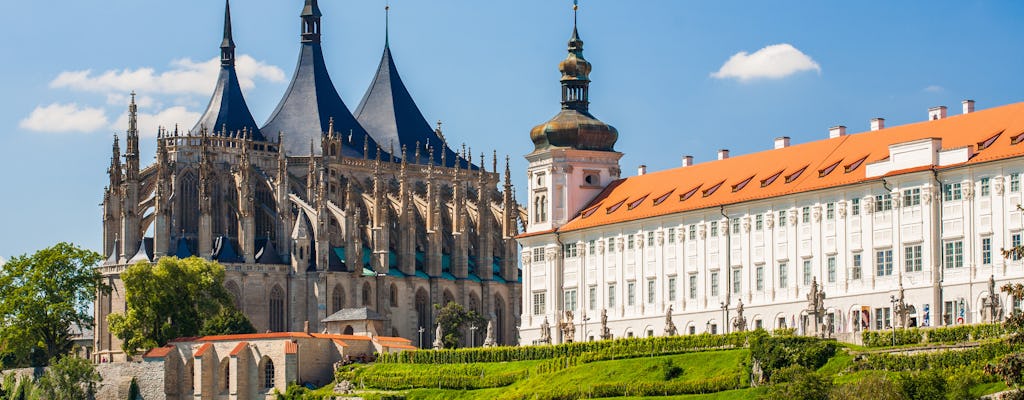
x=319, y=210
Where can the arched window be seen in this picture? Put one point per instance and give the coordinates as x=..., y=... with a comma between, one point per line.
x=225, y=374
x=189, y=189
x=268, y=373
x=448, y=297
x=393, y=293
x=367, y=294
x=276, y=309
x=499, y=319
x=423, y=315
x=337, y=298
x=236, y=294
x=348, y=330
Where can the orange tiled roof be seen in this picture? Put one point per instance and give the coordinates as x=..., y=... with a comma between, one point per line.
x=238, y=348
x=159, y=352
x=339, y=342
x=992, y=134
x=203, y=349
x=291, y=347
x=269, y=335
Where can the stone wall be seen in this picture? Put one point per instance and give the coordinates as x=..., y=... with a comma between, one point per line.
x=117, y=377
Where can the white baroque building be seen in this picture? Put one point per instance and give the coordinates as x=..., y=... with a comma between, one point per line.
x=918, y=212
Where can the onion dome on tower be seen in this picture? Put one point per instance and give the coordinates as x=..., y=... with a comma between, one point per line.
x=574, y=127
x=311, y=101
x=227, y=114
x=390, y=115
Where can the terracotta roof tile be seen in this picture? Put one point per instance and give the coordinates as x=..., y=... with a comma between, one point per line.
x=291, y=347
x=802, y=167
x=238, y=348
x=203, y=349
x=159, y=352
x=339, y=342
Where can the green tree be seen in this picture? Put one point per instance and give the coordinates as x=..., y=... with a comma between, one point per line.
x=41, y=296
x=453, y=317
x=168, y=300
x=70, y=378
x=228, y=321
x=1011, y=367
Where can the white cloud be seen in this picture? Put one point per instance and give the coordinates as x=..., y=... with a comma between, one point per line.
x=3, y=261
x=184, y=77
x=70, y=117
x=148, y=123
x=934, y=89
x=771, y=62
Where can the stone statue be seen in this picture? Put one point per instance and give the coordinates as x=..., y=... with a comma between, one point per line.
x=545, y=332
x=815, y=310
x=439, y=338
x=670, y=327
x=902, y=311
x=568, y=327
x=489, y=341
x=991, y=306
x=605, y=332
x=740, y=324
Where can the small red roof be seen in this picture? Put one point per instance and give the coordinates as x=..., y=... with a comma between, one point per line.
x=203, y=349
x=159, y=352
x=239, y=347
x=291, y=347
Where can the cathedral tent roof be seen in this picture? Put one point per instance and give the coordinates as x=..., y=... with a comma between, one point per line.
x=183, y=251
x=145, y=253
x=113, y=258
x=354, y=314
x=268, y=254
x=392, y=118
x=224, y=251
x=227, y=114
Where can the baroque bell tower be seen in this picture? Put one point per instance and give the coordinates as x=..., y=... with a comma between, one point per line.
x=574, y=155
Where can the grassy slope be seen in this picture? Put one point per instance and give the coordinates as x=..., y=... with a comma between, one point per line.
x=696, y=366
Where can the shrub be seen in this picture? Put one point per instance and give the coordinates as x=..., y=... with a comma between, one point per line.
x=771, y=353
x=937, y=360
x=798, y=382
x=923, y=385
x=874, y=386
x=670, y=371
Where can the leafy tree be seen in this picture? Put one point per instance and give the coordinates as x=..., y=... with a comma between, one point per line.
x=41, y=296
x=168, y=300
x=453, y=318
x=1011, y=367
x=13, y=387
x=70, y=378
x=228, y=321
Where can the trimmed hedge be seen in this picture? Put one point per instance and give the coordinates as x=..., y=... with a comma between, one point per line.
x=936, y=360
x=638, y=389
x=460, y=377
x=601, y=350
x=949, y=334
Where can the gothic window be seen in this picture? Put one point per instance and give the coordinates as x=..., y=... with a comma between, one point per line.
x=236, y=295
x=189, y=203
x=268, y=373
x=225, y=374
x=337, y=298
x=423, y=311
x=393, y=293
x=276, y=309
x=367, y=294
x=499, y=319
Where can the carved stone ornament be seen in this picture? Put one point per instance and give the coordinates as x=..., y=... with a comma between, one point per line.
x=997, y=185
x=723, y=227
x=769, y=221
x=926, y=197
x=621, y=243
x=792, y=218
x=550, y=254
x=895, y=202
x=869, y=205
x=703, y=231
x=600, y=248
x=817, y=214
x=842, y=210
x=661, y=238
x=638, y=241
x=567, y=169
x=746, y=224
x=526, y=257
x=615, y=172
x=968, y=192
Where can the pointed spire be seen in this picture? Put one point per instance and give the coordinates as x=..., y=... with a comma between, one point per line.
x=508, y=174
x=311, y=22
x=227, y=46
x=387, y=24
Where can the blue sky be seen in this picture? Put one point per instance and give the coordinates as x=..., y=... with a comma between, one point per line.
x=675, y=77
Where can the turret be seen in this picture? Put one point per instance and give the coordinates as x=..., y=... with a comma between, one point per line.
x=162, y=206
x=130, y=229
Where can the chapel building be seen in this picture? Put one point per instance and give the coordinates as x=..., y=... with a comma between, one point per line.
x=318, y=212
x=898, y=226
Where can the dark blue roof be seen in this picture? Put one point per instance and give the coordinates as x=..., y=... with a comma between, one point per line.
x=227, y=108
x=308, y=105
x=390, y=115
x=183, y=251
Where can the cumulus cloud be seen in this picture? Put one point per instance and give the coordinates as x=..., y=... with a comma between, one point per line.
x=771, y=62
x=69, y=117
x=934, y=89
x=184, y=76
x=148, y=123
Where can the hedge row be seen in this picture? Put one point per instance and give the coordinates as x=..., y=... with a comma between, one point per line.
x=951, y=334
x=439, y=379
x=618, y=348
x=637, y=389
x=936, y=360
